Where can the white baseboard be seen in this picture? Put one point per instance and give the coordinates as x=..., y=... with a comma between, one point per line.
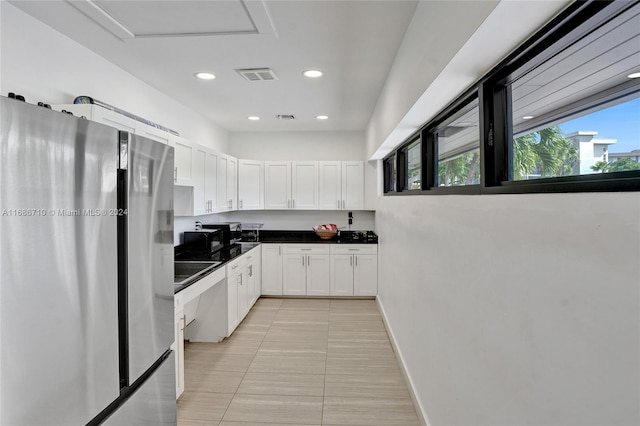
x=416, y=403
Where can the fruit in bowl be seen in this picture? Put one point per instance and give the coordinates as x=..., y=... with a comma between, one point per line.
x=326, y=232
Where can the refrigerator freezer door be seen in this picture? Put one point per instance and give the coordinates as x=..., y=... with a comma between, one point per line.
x=150, y=252
x=154, y=403
x=58, y=267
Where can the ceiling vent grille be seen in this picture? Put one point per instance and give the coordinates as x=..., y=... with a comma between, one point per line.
x=257, y=74
x=286, y=117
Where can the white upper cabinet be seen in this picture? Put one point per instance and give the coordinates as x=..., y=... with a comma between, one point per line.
x=183, y=160
x=198, y=169
x=232, y=182
x=341, y=185
x=227, y=189
x=291, y=185
x=211, y=181
x=100, y=115
x=153, y=133
x=250, y=185
x=352, y=185
x=304, y=185
x=330, y=185
x=277, y=185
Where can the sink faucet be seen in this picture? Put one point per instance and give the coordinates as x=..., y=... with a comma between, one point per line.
x=198, y=226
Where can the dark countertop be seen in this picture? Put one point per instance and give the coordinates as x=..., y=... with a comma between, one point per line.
x=248, y=242
x=224, y=256
x=310, y=237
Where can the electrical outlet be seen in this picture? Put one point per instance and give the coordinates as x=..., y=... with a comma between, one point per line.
x=350, y=215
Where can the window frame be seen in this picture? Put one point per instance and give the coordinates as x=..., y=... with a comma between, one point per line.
x=495, y=121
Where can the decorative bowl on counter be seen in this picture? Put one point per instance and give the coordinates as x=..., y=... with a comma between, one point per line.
x=326, y=232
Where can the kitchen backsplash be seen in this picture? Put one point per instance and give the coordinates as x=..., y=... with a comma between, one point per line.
x=299, y=220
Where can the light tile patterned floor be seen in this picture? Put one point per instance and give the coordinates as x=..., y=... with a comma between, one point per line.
x=298, y=362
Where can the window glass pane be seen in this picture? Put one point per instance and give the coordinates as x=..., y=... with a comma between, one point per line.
x=390, y=174
x=578, y=111
x=605, y=140
x=458, y=148
x=414, y=166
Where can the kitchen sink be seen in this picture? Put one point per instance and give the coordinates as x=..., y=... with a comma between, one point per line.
x=185, y=270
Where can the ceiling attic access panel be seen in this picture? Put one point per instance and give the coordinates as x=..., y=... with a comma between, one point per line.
x=131, y=19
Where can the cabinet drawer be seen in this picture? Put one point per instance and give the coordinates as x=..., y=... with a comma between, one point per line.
x=354, y=249
x=306, y=249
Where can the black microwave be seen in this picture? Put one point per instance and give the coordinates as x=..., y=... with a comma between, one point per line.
x=232, y=231
x=204, y=241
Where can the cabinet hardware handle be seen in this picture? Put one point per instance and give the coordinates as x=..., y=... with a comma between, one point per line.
x=293, y=203
x=350, y=260
x=356, y=260
x=306, y=249
x=302, y=260
x=343, y=203
x=338, y=204
x=279, y=250
x=175, y=174
x=234, y=266
x=308, y=261
x=353, y=249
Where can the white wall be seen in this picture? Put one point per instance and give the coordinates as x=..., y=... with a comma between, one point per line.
x=322, y=146
x=505, y=309
x=515, y=309
x=44, y=65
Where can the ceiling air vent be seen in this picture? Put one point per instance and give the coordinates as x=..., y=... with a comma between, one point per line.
x=286, y=117
x=258, y=74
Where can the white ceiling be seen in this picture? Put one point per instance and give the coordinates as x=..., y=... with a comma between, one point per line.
x=165, y=42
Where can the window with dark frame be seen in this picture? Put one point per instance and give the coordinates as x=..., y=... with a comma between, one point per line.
x=561, y=114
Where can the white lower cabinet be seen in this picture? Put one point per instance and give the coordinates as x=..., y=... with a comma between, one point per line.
x=319, y=269
x=354, y=270
x=272, y=269
x=178, y=344
x=305, y=270
x=241, y=287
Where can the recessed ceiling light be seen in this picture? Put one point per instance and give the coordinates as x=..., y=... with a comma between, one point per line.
x=322, y=117
x=527, y=117
x=254, y=118
x=312, y=73
x=634, y=75
x=205, y=75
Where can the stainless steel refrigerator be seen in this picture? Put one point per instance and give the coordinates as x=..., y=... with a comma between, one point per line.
x=86, y=268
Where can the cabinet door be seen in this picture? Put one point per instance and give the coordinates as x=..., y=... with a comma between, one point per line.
x=365, y=275
x=179, y=350
x=232, y=182
x=353, y=185
x=330, y=185
x=211, y=181
x=243, y=293
x=183, y=160
x=153, y=133
x=304, y=185
x=250, y=185
x=223, y=199
x=341, y=275
x=198, y=166
x=233, y=316
x=277, y=184
x=318, y=274
x=272, y=269
x=253, y=277
x=294, y=280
